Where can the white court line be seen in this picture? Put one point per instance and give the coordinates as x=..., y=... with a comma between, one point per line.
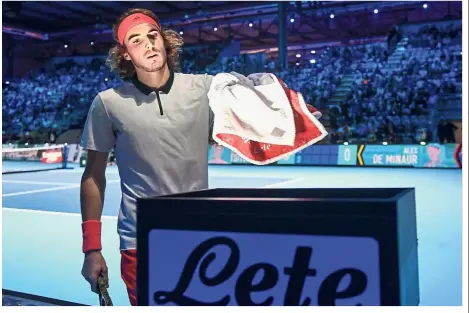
x=70, y=186
x=39, y=190
x=288, y=182
x=26, y=182
x=107, y=217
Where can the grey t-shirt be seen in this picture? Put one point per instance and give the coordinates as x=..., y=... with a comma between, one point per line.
x=160, y=139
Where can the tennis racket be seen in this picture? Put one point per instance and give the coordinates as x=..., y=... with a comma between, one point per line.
x=104, y=298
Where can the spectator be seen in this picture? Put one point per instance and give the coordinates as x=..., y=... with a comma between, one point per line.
x=449, y=131
x=441, y=129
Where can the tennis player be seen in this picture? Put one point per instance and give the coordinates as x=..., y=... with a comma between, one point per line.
x=159, y=123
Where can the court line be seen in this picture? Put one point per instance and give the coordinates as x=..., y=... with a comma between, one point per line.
x=53, y=212
x=47, y=189
x=288, y=182
x=26, y=182
x=217, y=175
x=213, y=173
x=39, y=190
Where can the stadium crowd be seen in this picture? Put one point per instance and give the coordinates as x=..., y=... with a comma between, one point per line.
x=385, y=100
x=391, y=101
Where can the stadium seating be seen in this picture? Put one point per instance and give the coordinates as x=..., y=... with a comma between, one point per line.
x=368, y=94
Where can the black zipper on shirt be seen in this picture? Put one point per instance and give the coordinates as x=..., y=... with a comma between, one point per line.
x=159, y=102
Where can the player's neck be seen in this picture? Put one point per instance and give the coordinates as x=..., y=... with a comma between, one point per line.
x=154, y=79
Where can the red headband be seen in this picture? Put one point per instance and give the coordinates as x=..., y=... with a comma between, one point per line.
x=132, y=20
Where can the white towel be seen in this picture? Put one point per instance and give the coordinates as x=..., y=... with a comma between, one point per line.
x=254, y=107
x=260, y=118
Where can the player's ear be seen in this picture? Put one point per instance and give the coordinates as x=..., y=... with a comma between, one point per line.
x=125, y=54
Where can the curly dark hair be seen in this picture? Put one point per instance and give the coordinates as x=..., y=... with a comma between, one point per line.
x=126, y=70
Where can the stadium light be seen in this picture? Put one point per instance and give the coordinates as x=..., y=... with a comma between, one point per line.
x=7, y=82
x=186, y=16
x=312, y=61
x=292, y=20
x=313, y=51
x=332, y=16
x=215, y=28
x=346, y=143
x=425, y=5
x=92, y=43
x=297, y=64
x=385, y=143
x=250, y=24
x=65, y=46
x=106, y=79
x=181, y=33
x=423, y=143
x=26, y=144
x=376, y=11
x=298, y=55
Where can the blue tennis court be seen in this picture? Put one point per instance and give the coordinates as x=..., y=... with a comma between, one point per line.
x=42, y=225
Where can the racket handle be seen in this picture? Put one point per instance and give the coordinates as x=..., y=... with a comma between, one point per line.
x=101, y=282
x=104, y=298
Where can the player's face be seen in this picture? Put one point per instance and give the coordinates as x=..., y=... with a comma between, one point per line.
x=145, y=48
x=433, y=153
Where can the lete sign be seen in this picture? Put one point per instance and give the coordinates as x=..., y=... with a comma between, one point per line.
x=279, y=247
x=227, y=268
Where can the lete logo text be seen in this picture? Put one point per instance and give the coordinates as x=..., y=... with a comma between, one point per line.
x=217, y=268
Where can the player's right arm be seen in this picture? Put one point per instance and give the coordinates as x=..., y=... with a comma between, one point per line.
x=98, y=139
x=92, y=189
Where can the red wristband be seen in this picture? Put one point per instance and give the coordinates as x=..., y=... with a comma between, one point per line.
x=91, y=235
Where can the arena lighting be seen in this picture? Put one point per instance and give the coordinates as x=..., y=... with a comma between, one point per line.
x=425, y=5
x=423, y=143
x=181, y=33
x=65, y=46
x=186, y=16
x=250, y=24
x=332, y=16
x=385, y=143
x=92, y=43
x=313, y=51
x=298, y=55
x=106, y=79
x=346, y=143
x=215, y=28
x=7, y=82
x=292, y=20
x=312, y=61
x=376, y=11
x=297, y=64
